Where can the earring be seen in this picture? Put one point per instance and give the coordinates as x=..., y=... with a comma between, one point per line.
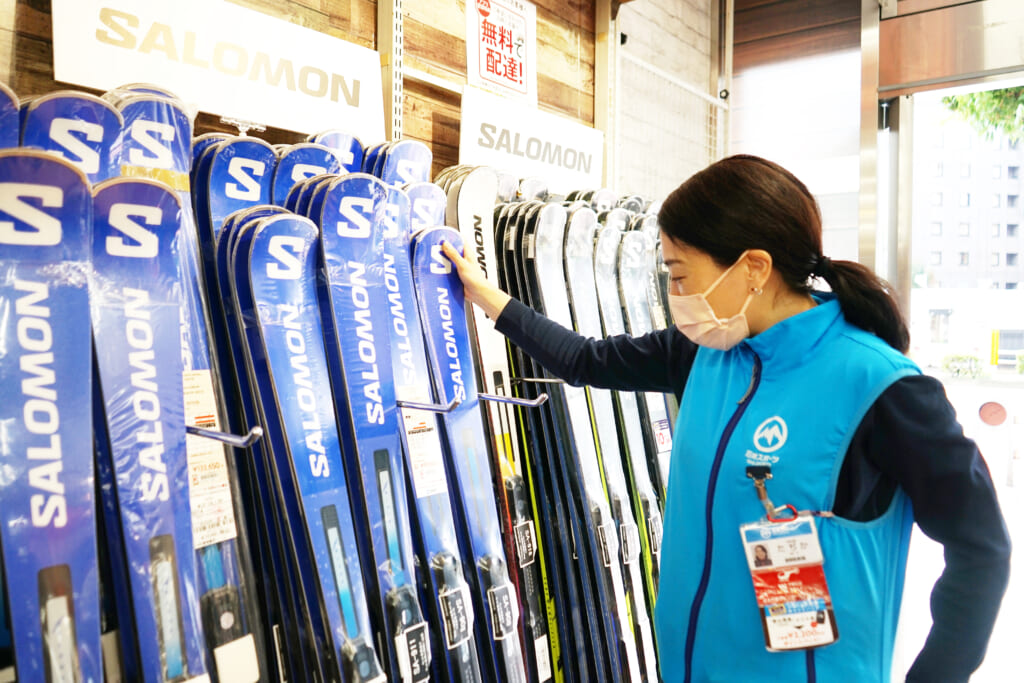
x=757, y=290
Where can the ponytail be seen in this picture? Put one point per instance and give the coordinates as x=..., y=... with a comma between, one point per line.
x=866, y=300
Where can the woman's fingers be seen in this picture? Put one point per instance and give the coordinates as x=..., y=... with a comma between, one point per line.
x=453, y=254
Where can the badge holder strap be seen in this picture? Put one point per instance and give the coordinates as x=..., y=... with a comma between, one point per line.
x=783, y=513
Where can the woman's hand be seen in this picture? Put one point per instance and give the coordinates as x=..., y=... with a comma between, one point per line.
x=478, y=288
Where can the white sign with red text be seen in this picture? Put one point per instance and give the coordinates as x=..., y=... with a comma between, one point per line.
x=501, y=47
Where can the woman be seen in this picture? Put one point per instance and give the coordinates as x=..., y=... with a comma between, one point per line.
x=814, y=388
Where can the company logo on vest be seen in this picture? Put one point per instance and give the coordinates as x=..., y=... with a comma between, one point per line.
x=771, y=435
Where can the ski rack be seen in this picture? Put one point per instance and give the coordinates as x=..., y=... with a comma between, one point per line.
x=537, y=380
x=430, y=407
x=238, y=441
x=243, y=126
x=525, y=402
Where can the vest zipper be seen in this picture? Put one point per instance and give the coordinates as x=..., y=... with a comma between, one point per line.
x=716, y=466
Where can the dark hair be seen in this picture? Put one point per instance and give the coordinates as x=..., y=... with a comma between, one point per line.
x=745, y=202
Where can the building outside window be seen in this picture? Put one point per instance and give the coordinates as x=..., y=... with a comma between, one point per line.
x=1011, y=229
x=939, y=319
x=965, y=170
x=996, y=201
x=935, y=258
x=1011, y=285
x=1011, y=201
x=964, y=229
x=936, y=228
x=936, y=199
x=1011, y=258
x=965, y=258
x=965, y=199
x=995, y=230
x=994, y=261
x=1012, y=172
x=997, y=171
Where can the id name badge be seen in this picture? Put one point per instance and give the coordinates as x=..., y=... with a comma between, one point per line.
x=787, y=568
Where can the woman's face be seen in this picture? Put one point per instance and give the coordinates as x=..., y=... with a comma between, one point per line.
x=692, y=271
x=760, y=552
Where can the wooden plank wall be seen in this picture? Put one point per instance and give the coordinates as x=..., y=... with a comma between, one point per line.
x=768, y=31
x=435, y=42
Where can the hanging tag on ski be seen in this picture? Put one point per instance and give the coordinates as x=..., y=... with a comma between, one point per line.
x=47, y=495
x=442, y=305
x=82, y=128
x=352, y=225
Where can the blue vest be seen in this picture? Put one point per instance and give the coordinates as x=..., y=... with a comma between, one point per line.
x=792, y=398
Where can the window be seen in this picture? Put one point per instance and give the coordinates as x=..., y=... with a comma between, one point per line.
x=937, y=169
x=965, y=170
x=1013, y=144
x=997, y=172
x=965, y=258
x=1012, y=172
x=1011, y=285
x=939, y=319
x=1011, y=201
x=965, y=199
x=963, y=229
x=1011, y=229
x=1011, y=258
x=936, y=258
x=936, y=228
x=996, y=201
x=994, y=261
x=995, y=230
x=936, y=199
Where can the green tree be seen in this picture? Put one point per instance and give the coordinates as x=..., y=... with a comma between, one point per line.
x=991, y=111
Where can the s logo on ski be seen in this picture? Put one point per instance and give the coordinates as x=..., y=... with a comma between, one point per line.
x=285, y=248
x=45, y=230
x=356, y=212
x=143, y=243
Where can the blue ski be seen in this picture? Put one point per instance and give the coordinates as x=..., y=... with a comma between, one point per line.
x=47, y=514
x=354, y=303
x=136, y=313
x=82, y=128
x=443, y=308
x=453, y=613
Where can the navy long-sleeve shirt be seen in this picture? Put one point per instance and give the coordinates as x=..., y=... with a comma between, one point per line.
x=909, y=438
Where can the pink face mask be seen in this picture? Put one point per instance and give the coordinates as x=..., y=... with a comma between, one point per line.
x=696, y=319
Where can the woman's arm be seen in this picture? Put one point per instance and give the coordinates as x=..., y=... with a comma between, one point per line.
x=913, y=438
x=659, y=361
